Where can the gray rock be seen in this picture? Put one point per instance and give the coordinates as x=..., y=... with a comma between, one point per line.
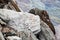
x=27, y=35
x=1, y=36
x=13, y=38
x=23, y=22
x=20, y=20
x=57, y=28
x=46, y=33
x=26, y=23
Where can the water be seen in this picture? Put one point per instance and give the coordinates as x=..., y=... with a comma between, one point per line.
x=52, y=6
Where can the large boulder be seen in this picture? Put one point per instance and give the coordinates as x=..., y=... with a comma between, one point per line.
x=26, y=23
x=20, y=20
x=44, y=17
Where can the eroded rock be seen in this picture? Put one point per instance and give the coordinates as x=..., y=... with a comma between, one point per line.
x=46, y=33
x=1, y=36
x=23, y=22
x=44, y=17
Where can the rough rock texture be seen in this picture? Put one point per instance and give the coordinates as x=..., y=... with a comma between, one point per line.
x=9, y=4
x=57, y=28
x=44, y=17
x=25, y=24
x=1, y=36
x=20, y=20
x=13, y=38
x=46, y=33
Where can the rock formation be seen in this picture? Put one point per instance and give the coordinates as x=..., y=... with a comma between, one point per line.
x=20, y=25
x=1, y=36
x=9, y=4
x=46, y=33
x=44, y=17
x=23, y=25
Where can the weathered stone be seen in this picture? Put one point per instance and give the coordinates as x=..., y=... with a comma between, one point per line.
x=44, y=17
x=27, y=35
x=9, y=4
x=1, y=36
x=22, y=22
x=57, y=28
x=26, y=23
x=46, y=33
x=13, y=38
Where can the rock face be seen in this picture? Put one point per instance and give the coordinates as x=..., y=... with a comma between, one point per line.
x=22, y=22
x=57, y=28
x=46, y=33
x=44, y=17
x=13, y=38
x=1, y=36
x=26, y=25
